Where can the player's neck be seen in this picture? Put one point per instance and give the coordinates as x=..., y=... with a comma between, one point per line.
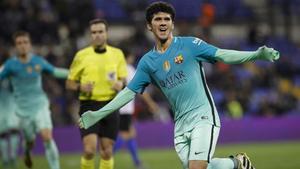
x=24, y=58
x=162, y=46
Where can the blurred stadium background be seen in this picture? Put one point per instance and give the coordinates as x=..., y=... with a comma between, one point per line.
x=259, y=103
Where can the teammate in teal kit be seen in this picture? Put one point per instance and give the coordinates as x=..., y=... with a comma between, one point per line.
x=9, y=135
x=32, y=105
x=174, y=65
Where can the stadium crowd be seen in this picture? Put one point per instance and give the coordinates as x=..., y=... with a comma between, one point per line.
x=58, y=31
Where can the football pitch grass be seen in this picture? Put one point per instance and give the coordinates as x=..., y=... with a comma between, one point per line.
x=277, y=155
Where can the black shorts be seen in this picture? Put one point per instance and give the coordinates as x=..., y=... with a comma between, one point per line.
x=125, y=122
x=107, y=127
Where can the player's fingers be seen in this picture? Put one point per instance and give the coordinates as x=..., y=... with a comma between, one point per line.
x=263, y=47
x=273, y=54
x=80, y=124
x=277, y=55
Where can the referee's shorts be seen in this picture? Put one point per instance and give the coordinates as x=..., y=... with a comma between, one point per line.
x=125, y=122
x=107, y=127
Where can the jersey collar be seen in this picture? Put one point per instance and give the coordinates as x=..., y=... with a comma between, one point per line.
x=157, y=54
x=28, y=59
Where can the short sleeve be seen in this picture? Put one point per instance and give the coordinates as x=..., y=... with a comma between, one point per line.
x=202, y=50
x=141, y=79
x=76, y=68
x=47, y=67
x=122, y=66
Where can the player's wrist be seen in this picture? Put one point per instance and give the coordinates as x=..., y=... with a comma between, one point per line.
x=264, y=53
x=258, y=54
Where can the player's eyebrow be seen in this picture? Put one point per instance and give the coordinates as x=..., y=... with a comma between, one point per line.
x=97, y=31
x=158, y=18
x=167, y=18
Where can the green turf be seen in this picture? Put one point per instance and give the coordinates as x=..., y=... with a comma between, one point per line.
x=277, y=155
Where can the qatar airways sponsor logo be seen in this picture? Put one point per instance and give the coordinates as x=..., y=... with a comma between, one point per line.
x=174, y=80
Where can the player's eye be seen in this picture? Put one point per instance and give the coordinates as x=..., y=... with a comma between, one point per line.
x=167, y=19
x=157, y=19
x=94, y=32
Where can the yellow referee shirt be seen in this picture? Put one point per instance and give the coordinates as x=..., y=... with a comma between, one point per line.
x=101, y=69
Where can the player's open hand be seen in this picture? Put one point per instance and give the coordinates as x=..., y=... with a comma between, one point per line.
x=80, y=124
x=269, y=54
x=86, y=120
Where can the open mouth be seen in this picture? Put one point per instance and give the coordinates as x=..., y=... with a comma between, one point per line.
x=163, y=29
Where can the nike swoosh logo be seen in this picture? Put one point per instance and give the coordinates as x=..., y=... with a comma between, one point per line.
x=196, y=153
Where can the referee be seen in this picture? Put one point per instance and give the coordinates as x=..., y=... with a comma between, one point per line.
x=98, y=72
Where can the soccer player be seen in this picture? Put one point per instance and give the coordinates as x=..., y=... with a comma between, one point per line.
x=32, y=105
x=127, y=132
x=98, y=72
x=175, y=66
x=9, y=134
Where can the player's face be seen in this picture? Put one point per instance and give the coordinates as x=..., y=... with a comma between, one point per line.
x=161, y=26
x=98, y=34
x=23, y=45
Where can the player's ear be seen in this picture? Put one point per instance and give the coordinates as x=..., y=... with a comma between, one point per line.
x=149, y=27
x=173, y=26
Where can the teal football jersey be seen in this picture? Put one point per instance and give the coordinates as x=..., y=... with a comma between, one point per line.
x=7, y=103
x=179, y=74
x=27, y=83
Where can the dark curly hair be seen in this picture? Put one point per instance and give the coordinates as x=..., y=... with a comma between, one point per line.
x=160, y=6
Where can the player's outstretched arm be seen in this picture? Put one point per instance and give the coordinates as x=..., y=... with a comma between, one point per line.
x=89, y=118
x=236, y=57
x=61, y=73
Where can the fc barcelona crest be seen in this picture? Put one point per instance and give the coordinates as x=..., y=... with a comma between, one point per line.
x=29, y=69
x=37, y=68
x=166, y=66
x=178, y=59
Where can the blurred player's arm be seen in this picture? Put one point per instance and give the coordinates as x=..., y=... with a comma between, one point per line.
x=236, y=57
x=61, y=73
x=57, y=72
x=91, y=117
